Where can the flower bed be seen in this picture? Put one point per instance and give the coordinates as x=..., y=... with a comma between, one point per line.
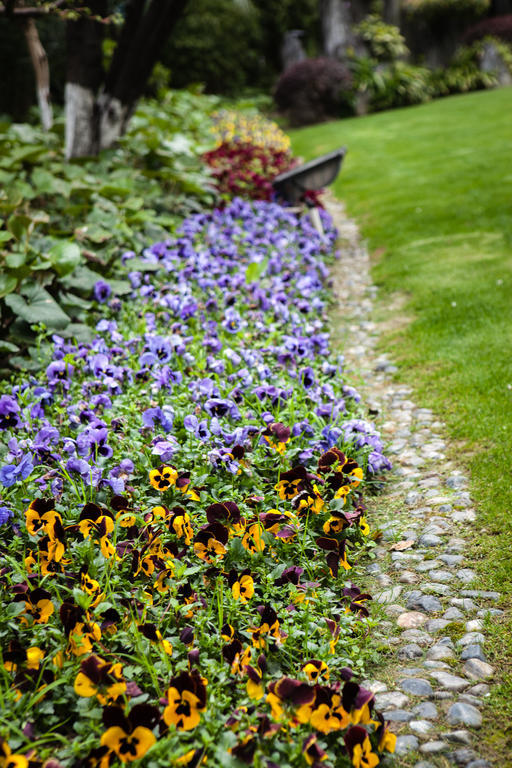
x=182, y=505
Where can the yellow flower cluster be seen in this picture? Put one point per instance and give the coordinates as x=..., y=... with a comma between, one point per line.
x=231, y=126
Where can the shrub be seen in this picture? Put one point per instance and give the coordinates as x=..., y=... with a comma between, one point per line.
x=431, y=8
x=500, y=27
x=384, y=41
x=464, y=73
x=246, y=169
x=395, y=85
x=314, y=90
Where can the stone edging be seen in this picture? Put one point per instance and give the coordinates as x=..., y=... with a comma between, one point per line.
x=436, y=684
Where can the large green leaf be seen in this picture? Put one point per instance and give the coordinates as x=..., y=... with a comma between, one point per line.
x=37, y=306
x=7, y=284
x=64, y=256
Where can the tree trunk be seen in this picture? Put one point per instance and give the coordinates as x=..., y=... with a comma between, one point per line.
x=100, y=106
x=84, y=77
x=336, y=27
x=392, y=12
x=41, y=71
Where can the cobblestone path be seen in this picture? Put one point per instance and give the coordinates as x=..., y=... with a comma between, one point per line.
x=434, y=688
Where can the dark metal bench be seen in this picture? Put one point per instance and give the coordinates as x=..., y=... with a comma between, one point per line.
x=312, y=176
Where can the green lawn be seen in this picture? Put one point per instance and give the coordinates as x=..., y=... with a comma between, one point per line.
x=431, y=187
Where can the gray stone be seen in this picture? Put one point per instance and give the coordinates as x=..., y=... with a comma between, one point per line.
x=462, y=756
x=421, y=727
x=446, y=641
x=464, y=603
x=480, y=689
x=440, y=575
x=424, y=764
x=412, y=497
x=417, y=636
x=428, y=603
x=439, y=652
x=410, y=671
x=442, y=695
x=459, y=737
x=473, y=651
x=455, y=545
x=461, y=713
x=397, y=715
x=478, y=764
x=375, y=686
x=389, y=595
x=468, y=698
x=429, y=540
x=445, y=508
x=464, y=516
x=393, y=699
x=434, y=587
x=484, y=612
x=408, y=577
x=434, y=747
x=410, y=651
x=428, y=565
x=425, y=711
x=428, y=664
x=417, y=686
x=478, y=670
x=480, y=593
x=453, y=614
x=456, y=482
x=475, y=625
x=448, y=681
x=466, y=575
x=451, y=560
x=435, y=625
x=471, y=638
x=405, y=744
x=373, y=568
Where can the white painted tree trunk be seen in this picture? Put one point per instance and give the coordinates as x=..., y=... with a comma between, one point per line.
x=81, y=132
x=336, y=27
x=113, y=118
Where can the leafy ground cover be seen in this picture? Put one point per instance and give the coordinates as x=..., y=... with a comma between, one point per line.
x=182, y=502
x=431, y=189
x=62, y=223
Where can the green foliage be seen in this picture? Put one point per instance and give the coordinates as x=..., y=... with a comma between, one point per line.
x=398, y=84
x=216, y=43
x=384, y=41
x=57, y=216
x=432, y=8
x=231, y=46
x=464, y=73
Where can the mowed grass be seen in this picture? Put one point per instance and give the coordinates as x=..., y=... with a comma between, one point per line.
x=431, y=188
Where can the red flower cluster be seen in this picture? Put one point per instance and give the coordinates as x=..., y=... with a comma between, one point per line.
x=246, y=170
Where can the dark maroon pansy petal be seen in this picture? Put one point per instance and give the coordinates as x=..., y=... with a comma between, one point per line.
x=145, y=715
x=355, y=735
x=114, y=716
